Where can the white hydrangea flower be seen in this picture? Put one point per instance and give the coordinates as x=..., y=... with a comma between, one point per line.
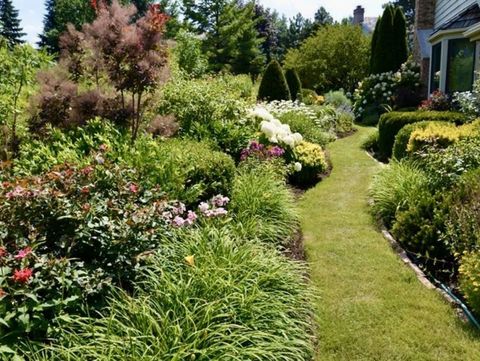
x=297, y=166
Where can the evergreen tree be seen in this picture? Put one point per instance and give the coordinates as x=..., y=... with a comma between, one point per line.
x=274, y=85
x=294, y=83
x=249, y=58
x=322, y=17
x=281, y=29
x=10, y=27
x=400, y=42
x=267, y=32
x=408, y=7
x=298, y=30
x=374, y=45
x=383, y=56
x=59, y=14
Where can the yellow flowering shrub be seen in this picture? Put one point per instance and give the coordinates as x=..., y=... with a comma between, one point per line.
x=313, y=163
x=469, y=276
x=441, y=135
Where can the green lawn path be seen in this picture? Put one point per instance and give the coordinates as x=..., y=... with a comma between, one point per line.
x=370, y=306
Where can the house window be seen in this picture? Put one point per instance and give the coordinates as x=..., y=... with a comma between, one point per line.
x=461, y=65
x=436, y=69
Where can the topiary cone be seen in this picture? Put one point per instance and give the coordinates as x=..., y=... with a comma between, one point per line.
x=274, y=86
x=294, y=83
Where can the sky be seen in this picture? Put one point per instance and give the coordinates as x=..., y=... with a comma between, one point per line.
x=32, y=11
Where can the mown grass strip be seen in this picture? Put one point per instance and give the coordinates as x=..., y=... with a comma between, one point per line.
x=371, y=306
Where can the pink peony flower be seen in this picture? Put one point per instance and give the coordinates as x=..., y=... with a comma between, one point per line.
x=203, y=207
x=178, y=221
x=23, y=275
x=191, y=218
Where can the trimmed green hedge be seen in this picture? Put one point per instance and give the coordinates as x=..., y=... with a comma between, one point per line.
x=403, y=137
x=391, y=123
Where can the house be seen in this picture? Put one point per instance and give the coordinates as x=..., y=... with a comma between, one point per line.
x=447, y=43
x=367, y=23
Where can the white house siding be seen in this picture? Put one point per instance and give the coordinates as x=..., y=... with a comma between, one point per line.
x=446, y=10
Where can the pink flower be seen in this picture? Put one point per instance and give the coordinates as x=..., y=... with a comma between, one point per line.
x=178, y=221
x=23, y=253
x=133, y=188
x=220, y=201
x=3, y=252
x=203, y=207
x=191, y=218
x=85, y=190
x=87, y=170
x=16, y=192
x=23, y=275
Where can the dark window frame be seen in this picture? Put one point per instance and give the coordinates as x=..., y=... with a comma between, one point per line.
x=436, y=67
x=449, y=53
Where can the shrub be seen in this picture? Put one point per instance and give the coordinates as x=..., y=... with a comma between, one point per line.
x=312, y=158
x=438, y=101
x=338, y=99
x=213, y=113
x=469, y=279
x=344, y=122
x=310, y=97
x=188, y=51
x=391, y=123
x=418, y=228
x=395, y=188
x=403, y=137
x=294, y=83
x=438, y=135
x=306, y=126
x=463, y=219
x=263, y=206
x=320, y=60
x=231, y=299
x=274, y=85
x=445, y=166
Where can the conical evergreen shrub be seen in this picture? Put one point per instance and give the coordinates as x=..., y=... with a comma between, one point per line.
x=383, y=56
x=374, y=44
x=400, y=44
x=294, y=83
x=274, y=85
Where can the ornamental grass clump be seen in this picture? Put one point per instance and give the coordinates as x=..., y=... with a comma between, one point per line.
x=263, y=207
x=211, y=296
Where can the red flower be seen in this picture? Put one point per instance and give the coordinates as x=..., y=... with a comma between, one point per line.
x=22, y=275
x=3, y=252
x=87, y=170
x=94, y=4
x=23, y=253
x=85, y=190
x=133, y=188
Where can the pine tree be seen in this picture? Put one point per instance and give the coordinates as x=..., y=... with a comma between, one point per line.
x=322, y=18
x=274, y=85
x=249, y=58
x=48, y=40
x=294, y=83
x=384, y=58
x=400, y=42
x=10, y=23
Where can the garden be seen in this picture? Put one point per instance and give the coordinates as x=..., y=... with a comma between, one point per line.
x=173, y=190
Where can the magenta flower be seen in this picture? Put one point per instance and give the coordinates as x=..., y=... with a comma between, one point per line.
x=133, y=188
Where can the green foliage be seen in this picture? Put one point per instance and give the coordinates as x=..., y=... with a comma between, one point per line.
x=469, y=279
x=314, y=163
x=10, y=28
x=59, y=13
x=338, y=99
x=403, y=137
x=306, y=126
x=294, y=83
x=391, y=123
x=373, y=46
x=264, y=207
x=185, y=170
x=18, y=69
x=211, y=109
x=462, y=222
x=320, y=60
x=232, y=299
x=274, y=86
x=440, y=135
x=395, y=188
x=189, y=54
x=390, y=41
x=309, y=96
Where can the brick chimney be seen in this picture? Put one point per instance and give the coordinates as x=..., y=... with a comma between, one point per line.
x=425, y=14
x=424, y=26
x=358, y=15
